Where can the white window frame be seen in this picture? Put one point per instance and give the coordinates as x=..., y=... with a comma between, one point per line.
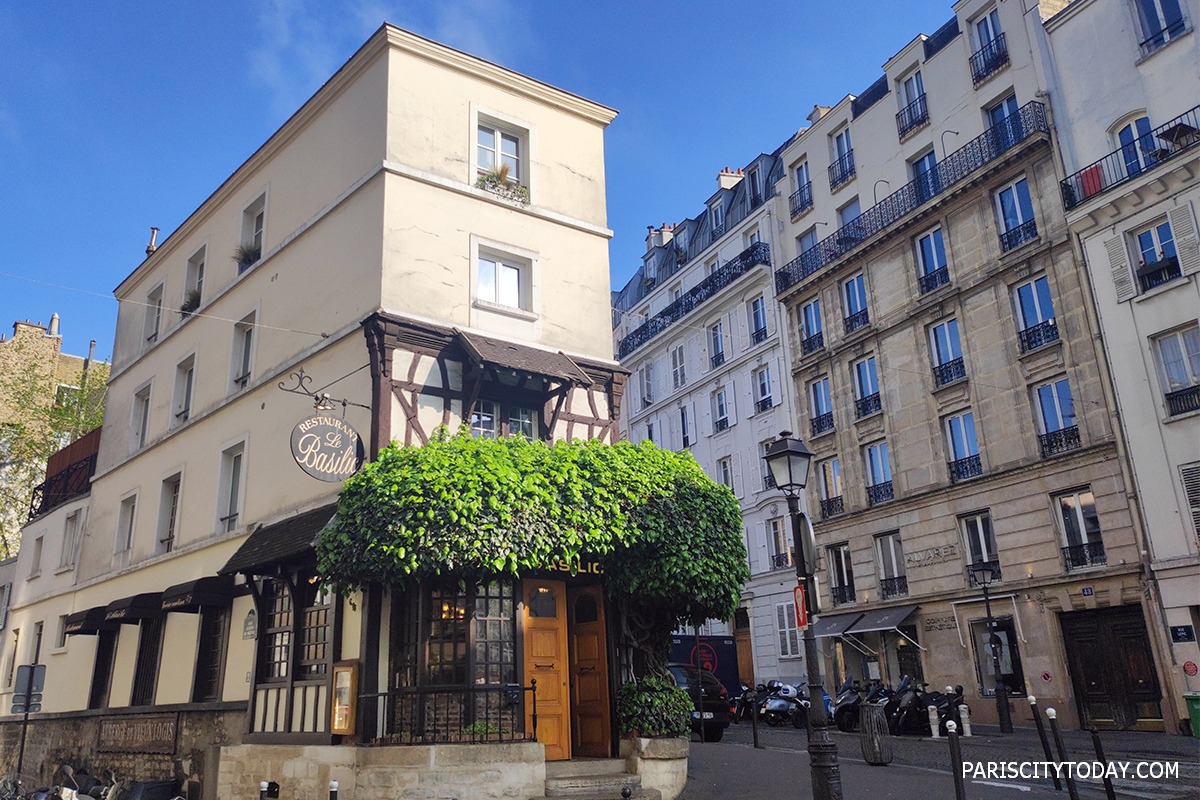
x=170, y=500
x=717, y=210
x=1161, y=19
x=810, y=318
x=1076, y=499
x=841, y=143
x=1155, y=231
x=889, y=550
x=194, y=275
x=245, y=343
x=866, y=377
x=819, y=399
x=232, y=497
x=944, y=342
x=678, y=367
x=878, y=461
x=1190, y=361
x=788, y=630
x=254, y=224
x=857, y=294
x=126, y=523
x=721, y=409
x=185, y=390
x=964, y=435
x=686, y=433
x=912, y=86
x=646, y=384
x=762, y=383
x=755, y=183
x=725, y=472
x=60, y=635
x=777, y=540
x=839, y=565
x=987, y=27
x=1038, y=301
x=72, y=526
x=35, y=559
x=981, y=534
x=937, y=241
x=716, y=339
x=139, y=427
x=758, y=315
x=800, y=176
x=152, y=327
x=999, y=204
x=1055, y=395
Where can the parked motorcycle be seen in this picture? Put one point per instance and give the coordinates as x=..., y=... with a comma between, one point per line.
x=784, y=703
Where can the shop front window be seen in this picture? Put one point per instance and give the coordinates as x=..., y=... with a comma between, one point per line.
x=1010, y=657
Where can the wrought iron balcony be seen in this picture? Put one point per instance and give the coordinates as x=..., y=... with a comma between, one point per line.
x=1015, y=237
x=74, y=480
x=1156, y=273
x=1167, y=34
x=949, y=372
x=866, y=406
x=994, y=564
x=1060, y=441
x=989, y=59
x=758, y=335
x=721, y=424
x=813, y=343
x=1028, y=121
x=801, y=200
x=880, y=493
x=857, y=320
x=752, y=256
x=763, y=404
x=821, y=423
x=964, y=468
x=1136, y=158
x=932, y=280
x=893, y=587
x=781, y=560
x=841, y=170
x=768, y=481
x=832, y=507
x=842, y=595
x=1088, y=554
x=756, y=200
x=912, y=116
x=716, y=233
x=1037, y=335
x=1183, y=401
x=717, y=359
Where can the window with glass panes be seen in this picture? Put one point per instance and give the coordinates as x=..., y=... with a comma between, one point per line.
x=879, y=469
x=810, y=316
x=960, y=434
x=891, y=555
x=866, y=381
x=501, y=282
x=819, y=394
x=446, y=640
x=1137, y=146
x=720, y=409
x=758, y=315
x=831, y=479
x=716, y=337
x=931, y=251
x=1013, y=205
x=1077, y=517
x=491, y=419
x=943, y=338
x=981, y=542
x=210, y=653
x=678, y=369
x=841, y=572
x=763, y=380
x=1155, y=243
x=315, y=617
x=1055, y=406
x=1179, y=359
x=495, y=148
x=276, y=642
x=780, y=555
x=854, y=294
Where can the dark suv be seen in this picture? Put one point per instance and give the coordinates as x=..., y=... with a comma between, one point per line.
x=713, y=717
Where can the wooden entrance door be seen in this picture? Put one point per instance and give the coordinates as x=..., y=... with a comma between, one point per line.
x=745, y=652
x=591, y=731
x=546, y=660
x=1112, y=669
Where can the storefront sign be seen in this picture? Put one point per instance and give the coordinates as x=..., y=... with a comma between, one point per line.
x=327, y=448
x=138, y=734
x=579, y=567
x=943, y=623
x=931, y=556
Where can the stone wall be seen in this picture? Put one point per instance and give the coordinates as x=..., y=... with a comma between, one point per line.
x=661, y=763
x=460, y=771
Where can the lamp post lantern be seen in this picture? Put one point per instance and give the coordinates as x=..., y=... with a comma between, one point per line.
x=984, y=573
x=790, y=461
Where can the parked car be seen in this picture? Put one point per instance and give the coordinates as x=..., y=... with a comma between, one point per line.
x=713, y=717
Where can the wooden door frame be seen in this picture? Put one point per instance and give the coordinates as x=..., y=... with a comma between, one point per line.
x=610, y=709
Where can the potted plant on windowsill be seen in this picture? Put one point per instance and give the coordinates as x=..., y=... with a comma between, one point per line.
x=245, y=256
x=497, y=182
x=191, y=301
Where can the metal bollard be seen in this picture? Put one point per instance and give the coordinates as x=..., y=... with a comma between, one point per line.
x=964, y=713
x=956, y=761
x=754, y=719
x=333, y=790
x=1109, y=792
x=1052, y=715
x=262, y=790
x=933, y=723
x=1041, y=729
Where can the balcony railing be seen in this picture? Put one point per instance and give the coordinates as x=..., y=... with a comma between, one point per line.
x=716, y=233
x=813, y=343
x=1136, y=158
x=932, y=280
x=1015, y=237
x=1088, y=554
x=988, y=59
x=74, y=480
x=781, y=560
x=462, y=714
x=880, y=493
x=949, y=372
x=752, y=256
x=1059, y=441
x=893, y=587
x=841, y=170
x=1156, y=273
x=857, y=320
x=821, y=423
x=1183, y=400
x=994, y=564
x=1167, y=34
x=768, y=482
x=763, y=404
x=758, y=335
x=842, y=595
x=1035, y=336
x=721, y=424
x=832, y=507
x=964, y=468
x=1029, y=120
x=717, y=359
x=801, y=200
x=866, y=406
x=912, y=116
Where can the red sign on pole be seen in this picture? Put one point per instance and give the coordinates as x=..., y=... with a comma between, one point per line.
x=801, y=608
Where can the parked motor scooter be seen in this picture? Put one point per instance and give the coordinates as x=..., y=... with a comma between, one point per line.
x=845, y=710
x=783, y=703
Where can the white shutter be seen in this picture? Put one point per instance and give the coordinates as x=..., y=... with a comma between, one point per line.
x=737, y=474
x=693, y=422
x=5, y=594
x=1191, y=487
x=1183, y=228
x=1118, y=262
x=731, y=401
x=676, y=431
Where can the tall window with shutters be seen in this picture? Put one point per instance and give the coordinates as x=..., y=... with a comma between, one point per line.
x=678, y=372
x=1164, y=250
x=789, y=631
x=1190, y=475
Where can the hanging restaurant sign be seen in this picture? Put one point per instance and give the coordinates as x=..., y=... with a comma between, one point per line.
x=327, y=448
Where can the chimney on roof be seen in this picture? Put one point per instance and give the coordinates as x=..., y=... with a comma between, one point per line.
x=53, y=329
x=728, y=178
x=150, y=248
x=818, y=112
x=657, y=237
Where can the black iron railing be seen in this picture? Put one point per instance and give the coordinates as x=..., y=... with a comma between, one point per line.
x=763, y=404
x=1136, y=158
x=821, y=423
x=1029, y=120
x=768, y=481
x=758, y=335
x=912, y=116
x=801, y=200
x=1035, y=336
x=893, y=587
x=842, y=595
x=1156, y=273
x=466, y=714
x=813, y=343
x=988, y=59
x=964, y=468
x=1183, y=400
x=716, y=233
x=1059, y=441
x=841, y=170
x=949, y=372
x=832, y=507
x=932, y=280
x=865, y=406
x=781, y=560
x=71, y=482
x=752, y=256
x=1088, y=554
x=880, y=493
x=1169, y=33
x=721, y=424
x=1015, y=237
x=993, y=563
x=857, y=320
x=717, y=359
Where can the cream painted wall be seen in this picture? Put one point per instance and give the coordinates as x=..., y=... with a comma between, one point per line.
x=239, y=657
x=121, y=686
x=177, y=665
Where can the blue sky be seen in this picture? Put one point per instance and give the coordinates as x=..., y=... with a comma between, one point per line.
x=118, y=116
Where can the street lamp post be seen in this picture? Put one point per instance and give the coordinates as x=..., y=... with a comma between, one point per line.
x=789, y=461
x=984, y=573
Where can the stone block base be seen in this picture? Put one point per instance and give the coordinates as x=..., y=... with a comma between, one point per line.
x=661, y=763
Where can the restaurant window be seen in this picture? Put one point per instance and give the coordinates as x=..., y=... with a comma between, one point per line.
x=210, y=653
x=316, y=617
x=149, y=653
x=276, y=641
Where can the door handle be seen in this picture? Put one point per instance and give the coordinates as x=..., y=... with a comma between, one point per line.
x=543, y=666
x=582, y=670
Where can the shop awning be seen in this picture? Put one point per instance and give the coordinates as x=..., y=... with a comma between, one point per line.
x=834, y=624
x=214, y=590
x=285, y=540
x=134, y=608
x=882, y=619
x=89, y=622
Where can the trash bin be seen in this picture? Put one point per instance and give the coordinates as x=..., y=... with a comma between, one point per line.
x=1193, y=703
x=873, y=734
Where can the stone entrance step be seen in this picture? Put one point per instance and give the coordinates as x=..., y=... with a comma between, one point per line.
x=594, y=779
